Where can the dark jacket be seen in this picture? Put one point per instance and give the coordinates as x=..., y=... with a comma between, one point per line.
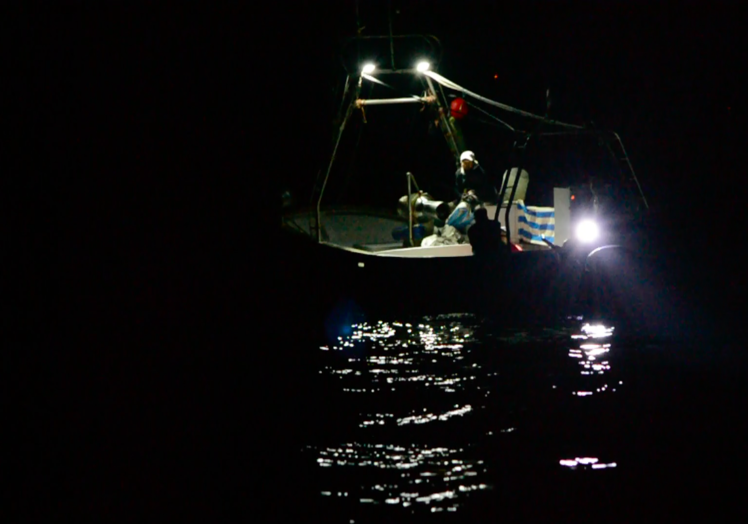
x=477, y=180
x=485, y=237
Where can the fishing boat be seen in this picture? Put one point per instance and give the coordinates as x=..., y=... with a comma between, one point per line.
x=567, y=195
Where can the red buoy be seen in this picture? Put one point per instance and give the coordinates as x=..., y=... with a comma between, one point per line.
x=458, y=108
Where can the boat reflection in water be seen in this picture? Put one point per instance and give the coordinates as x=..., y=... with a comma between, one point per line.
x=434, y=477
x=592, y=353
x=417, y=384
x=443, y=410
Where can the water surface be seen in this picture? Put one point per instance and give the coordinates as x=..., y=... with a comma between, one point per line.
x=448, y=417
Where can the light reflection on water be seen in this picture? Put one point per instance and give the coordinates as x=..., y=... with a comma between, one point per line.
x=593, y=357
x=419, y=382
x=405, y=476
x=586, y=462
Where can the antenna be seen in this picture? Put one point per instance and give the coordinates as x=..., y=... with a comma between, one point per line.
x=358, y=34
x=392, y=43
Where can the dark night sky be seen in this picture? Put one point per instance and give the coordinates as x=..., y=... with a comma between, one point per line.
x=155, y=137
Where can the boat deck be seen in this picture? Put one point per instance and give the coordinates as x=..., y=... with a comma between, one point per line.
x=362, y=229
x=370, y=231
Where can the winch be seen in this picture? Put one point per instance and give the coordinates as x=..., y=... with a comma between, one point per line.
x=424, y=207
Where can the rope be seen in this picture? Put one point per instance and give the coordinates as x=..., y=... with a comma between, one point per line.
x=451, y=85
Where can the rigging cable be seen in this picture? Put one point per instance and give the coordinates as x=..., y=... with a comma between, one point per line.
x=493, y=117
x=451, y=85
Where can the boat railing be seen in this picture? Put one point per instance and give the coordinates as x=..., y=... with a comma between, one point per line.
x=411, y=180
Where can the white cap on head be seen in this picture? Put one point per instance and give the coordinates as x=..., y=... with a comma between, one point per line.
x=467, y=155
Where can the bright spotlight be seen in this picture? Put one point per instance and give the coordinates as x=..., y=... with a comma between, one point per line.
x=423, y=66
x=587, y=231
x=369, y=69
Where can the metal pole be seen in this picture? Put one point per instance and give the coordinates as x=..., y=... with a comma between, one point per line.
x=410, y=211
x=444, y=120
x=385, y=101
x=396, y=71
x=503, y=186
x=345, y=92
x=329, y=168
x=392, y=43
x=358, y=34
x=626, y=157
x=316, y=180
x=513, y=192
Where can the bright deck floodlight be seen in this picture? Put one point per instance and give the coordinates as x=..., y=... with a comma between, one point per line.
x=423, y=66
x=368, y=69
x=587, y=231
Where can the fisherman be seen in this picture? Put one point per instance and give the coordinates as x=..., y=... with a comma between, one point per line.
x=485, y=235
x=471, y=179
x=474, y=189
x=488, y=260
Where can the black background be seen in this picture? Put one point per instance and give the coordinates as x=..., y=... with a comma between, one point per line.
x=152, y=144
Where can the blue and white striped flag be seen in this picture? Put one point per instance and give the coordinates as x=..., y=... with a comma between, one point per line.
x=535, y=223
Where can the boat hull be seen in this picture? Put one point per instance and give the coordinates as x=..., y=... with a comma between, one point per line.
x=525, y=286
